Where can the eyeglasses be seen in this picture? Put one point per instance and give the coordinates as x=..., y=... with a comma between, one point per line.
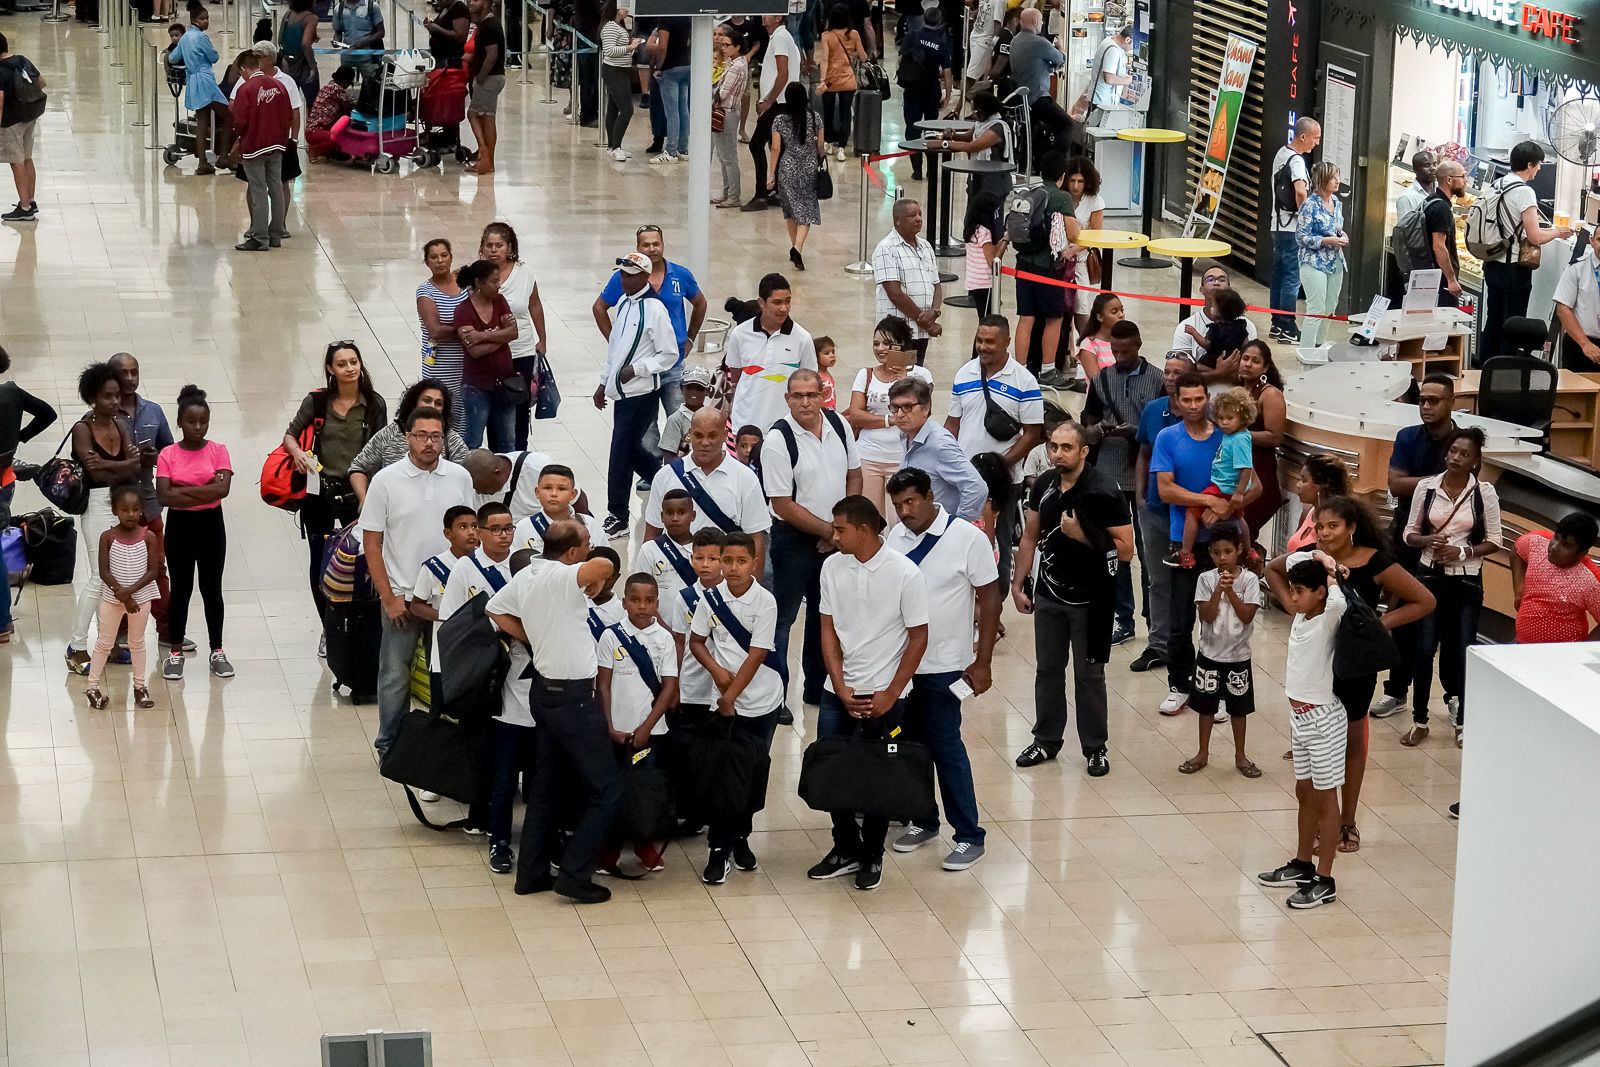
x=425, y=438
x=504, y=528
x=905, y=407
x=805, y=396
x=1430, y=400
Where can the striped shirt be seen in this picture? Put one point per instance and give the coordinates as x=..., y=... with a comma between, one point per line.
x=1011, y=389
x=910, y=263
x=443, y=360
x=129, y=560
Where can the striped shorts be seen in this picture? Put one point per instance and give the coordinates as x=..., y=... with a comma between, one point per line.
x=1318, y=739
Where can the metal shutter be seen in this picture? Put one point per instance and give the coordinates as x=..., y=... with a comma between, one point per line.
x=1213, y=22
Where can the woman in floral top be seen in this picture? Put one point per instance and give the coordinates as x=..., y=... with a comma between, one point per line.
x=731, y=76
x=1322, y=242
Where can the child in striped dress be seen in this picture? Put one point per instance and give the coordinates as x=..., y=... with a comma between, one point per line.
x=128, y=565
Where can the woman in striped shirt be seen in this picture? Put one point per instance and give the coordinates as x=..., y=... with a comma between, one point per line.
x=443, y=356
x=128, y=565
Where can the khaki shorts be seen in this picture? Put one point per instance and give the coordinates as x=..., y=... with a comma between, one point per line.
x=485, y=98
x=16, y=142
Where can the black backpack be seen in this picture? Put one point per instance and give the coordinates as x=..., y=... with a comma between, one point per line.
x=917, y=70
x=1283, y=198
x=1027, y=218
x=24, y=93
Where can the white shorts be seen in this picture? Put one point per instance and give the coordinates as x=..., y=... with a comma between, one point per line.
x=980, y=52
x=1318, y=738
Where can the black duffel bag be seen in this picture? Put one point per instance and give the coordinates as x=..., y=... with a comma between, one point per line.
x=50, y=543
x=1362, y=646
x=438, y=755
x=645, y=812
x=873, y=776
x=727, y=772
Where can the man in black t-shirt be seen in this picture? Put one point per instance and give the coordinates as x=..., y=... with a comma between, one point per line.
x=22, y=101
x=1439, y=221
x=486, y=77
x=1079, y=522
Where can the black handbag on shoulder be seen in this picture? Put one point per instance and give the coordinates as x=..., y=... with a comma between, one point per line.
x=1363, y=646
x=998, y=423
x=885, y=778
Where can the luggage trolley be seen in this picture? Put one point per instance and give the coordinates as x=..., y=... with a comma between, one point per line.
x=384, y=127
x=183, y=138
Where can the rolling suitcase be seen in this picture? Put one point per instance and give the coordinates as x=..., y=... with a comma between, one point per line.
x=354, y=630
x=868, y=134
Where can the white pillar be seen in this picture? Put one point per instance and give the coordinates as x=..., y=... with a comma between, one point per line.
x=700, y=147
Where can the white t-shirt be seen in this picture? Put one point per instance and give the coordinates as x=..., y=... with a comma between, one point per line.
x=1517, y=198
x=652, y=559
x=1579, y=289
x=525, y=493
x=757, y=612
x=1083, y=210
x=631, y=699
x=766, y=360
x=1308, y=674
x=546, y=597
x=733, y=486
x=529, y=534
x=297, y=99
x=1182, y=342
x=1111, y=59
x=1296, y=163
x=884, y=444
x=780, y=44
x=608, y=613
x=1014, y=390
x=817, y=481
x=872, y=605
x=407, y=506
x=467, y=581
x=694, y=681
x=961, y=563
x=1228, y=639
x=518, y=288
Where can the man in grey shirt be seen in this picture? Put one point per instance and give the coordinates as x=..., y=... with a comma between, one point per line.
x=935, y=450
x=1033, y=57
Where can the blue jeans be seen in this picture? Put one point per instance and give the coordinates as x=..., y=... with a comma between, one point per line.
x=486, y=411
x=1285, y=290
x=631, y=416
x=862, y=842
x=934, y=718
x=675, y=102
x=395, y=655
x=658, y=113
x=796, y=576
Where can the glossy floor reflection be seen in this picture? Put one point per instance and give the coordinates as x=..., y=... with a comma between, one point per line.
x=224, y=878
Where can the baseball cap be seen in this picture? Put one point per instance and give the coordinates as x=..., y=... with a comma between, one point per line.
x=697, y=376
x=634, y=263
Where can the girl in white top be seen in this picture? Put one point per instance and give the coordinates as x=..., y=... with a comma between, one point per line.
x=1088, y=207
x=521, y=290
x=128, y=566
x=879, y=444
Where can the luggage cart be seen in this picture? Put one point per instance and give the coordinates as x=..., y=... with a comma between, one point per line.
x=384, y=128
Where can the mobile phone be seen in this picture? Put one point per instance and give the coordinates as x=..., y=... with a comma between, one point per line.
x=899, y=359
x=961, y=689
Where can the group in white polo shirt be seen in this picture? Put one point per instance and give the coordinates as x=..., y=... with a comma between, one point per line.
x=763, y=352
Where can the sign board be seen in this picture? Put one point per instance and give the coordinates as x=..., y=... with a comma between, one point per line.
x=1226, y=107
x=663, y=8
x=1339, y=119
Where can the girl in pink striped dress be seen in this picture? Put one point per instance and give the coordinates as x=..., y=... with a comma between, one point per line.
x=128, y=565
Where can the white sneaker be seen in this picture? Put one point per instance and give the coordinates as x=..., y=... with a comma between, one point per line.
x=839, y=153
x=619, y=155
x=663, y=158
x=1174, y=703
x=1220, y=716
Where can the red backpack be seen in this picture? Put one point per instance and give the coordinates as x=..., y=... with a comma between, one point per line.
x=282, y=483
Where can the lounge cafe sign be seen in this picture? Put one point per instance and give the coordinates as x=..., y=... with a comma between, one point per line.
x=1536, y=20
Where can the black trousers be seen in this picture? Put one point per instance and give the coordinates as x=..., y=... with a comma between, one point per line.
x=760, y=138
x=1060, y=635
x=1506, y=289
x=589, y=88
x=1180, y=622
x=573, y=749
x=619, y=103
x=195, y=541
x=1405, y=637
x=796, y=576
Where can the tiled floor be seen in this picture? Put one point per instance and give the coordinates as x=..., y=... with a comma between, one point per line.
x=222, y=879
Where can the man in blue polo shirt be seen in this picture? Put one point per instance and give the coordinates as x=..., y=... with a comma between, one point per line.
x=1152, y=516
x=1181, y=465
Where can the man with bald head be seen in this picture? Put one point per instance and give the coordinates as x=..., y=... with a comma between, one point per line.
x=725, y=492
x=907, y=277
x=1450, y=181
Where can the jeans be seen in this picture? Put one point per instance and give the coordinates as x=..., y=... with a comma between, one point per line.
x=510, y=753
x=658, y=113
x=863, y=842
x=1506, y=289
x=933, y=717
x=1125, y=578
x=196, y=541
x=671, y=394
x=724, y=835
x=1322, y=296
x=95, y=520
x=797, y=575
x=836, y=116
x=726, y=147
x=1285, y=289
x=1060, y=634
x=268, y=209
x=573, y=748
x=396, y=653
x=675, y=92
x=619, y=103
x=5, y=520
x=1181, y=582
x=1451, y=627
x=486, y=411
x=760, y=140
x=631, y=417
x=1151, y=532
x=1398, y=682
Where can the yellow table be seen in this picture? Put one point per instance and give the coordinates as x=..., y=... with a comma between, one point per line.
x=1110, y=240
x=1152, y=136
x=1186, y=250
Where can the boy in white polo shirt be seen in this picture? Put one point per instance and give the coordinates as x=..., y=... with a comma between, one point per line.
x=557, y=490
x=666, y=556
x=605, y=607
x=511, y=740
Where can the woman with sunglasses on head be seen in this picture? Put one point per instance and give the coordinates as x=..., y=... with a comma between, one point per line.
x=388, y=445
x=521, y=289
x=443, y=357
x=350, y=412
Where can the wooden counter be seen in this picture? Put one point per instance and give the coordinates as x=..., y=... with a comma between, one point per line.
x=1573, y=424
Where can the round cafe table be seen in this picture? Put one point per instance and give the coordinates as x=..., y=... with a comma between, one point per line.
x=945, y=125
x=930, y=214
x=1149, y=136
x=1112, y=241
x=1186, y=250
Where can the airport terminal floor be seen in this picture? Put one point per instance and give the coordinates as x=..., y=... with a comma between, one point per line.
x=224, y=878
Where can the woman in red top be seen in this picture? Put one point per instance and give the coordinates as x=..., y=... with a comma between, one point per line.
x=491, y=388
x=1556, y=590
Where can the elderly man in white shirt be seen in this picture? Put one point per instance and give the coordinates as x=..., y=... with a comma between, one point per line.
x=907, y=277
x=726, y=493
x=642, y=347
x=1578, y=309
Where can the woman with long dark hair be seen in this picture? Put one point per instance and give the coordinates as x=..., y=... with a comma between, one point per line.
x=388, y=445
x=437, y=300
x=521, y=289
x=797, y=152
x=1258, y=375
x=983, y=232
x=1088, y=207
x=490, y=385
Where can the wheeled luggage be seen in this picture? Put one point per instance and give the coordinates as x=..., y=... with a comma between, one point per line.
x=868, y=133
x=354, y=631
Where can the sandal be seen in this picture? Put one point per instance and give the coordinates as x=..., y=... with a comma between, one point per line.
x=141, y=697
x=97, y=700
x=1189, y=766
x=1289, y=755
x=1248, y=769
x=1415, y=736
x=1349, y=839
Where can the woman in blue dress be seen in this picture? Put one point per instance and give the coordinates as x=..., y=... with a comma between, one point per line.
x=200, y=92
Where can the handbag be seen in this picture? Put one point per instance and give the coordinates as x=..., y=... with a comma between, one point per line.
x=727, y=772
x=62, y=482
x=1362, y=646
x=50, y=545
x=877, y=777
x=718, y=114
x=283, y=485
x=438, y=755
x=997, y=422
x=645, y=812
x=512, y=389
x=1528, y=254
x=824, y=181
x=547, y=395
x=871, y=73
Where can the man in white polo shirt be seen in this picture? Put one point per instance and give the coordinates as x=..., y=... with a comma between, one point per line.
x=726, y=493
x=401, y=527
x=764, y=351
x=808, y=463
x=874, y=635
x=1578, y=307
x=960, y=573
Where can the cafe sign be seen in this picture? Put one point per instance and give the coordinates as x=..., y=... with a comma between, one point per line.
x=1536, y=20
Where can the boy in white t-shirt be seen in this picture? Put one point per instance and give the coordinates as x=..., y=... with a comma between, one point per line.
x=557, y=490
x=461, y=530
x=666, y=558
x=1226, y=601
x=511, y=741
x=636, y=682
x=606, y=608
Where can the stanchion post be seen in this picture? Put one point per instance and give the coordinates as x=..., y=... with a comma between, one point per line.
x=600, y=99
x=55, y=13
x=527, y=40
x=549, y=74
x=155, y=100
x=129, y=27
x=140, y=118
x=572, y=82
x=111, y=19
x=966, y=56
x=862, y=265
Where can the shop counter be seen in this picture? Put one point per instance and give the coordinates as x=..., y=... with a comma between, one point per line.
x=1431, y=342
x=1572, y=426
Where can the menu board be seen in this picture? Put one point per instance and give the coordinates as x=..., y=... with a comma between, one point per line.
x=1339, y=120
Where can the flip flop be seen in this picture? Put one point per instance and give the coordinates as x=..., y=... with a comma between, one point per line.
x=1248, y=769
x=1189, y=766
x=1349, y=839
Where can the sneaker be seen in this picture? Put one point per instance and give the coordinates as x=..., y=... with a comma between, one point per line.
x=1053, y=377
x=472, y=829
x=914, y=838
x=755, y=203
x=1313, y=893
x=641, y=486
x=22, y=214
x=619, y=155
x=615, y=527
x=172, y=668
x=77, y=661
x=1099, y=765
x=964, y=855
x=1034, y=755
x=1171, y=559
x=717, y=867
x=1148, y=660
x=1220, y=716
x=833, y=865
x=785, y=716
x=1386, y=706
x=1292, y=873
x=322, y=647
x=500, y=857
x=1121, y=634
x=1455, y=810
x=1453, y=705
x=838, y=153
x=220, y=665
x=743, y=858
x=250, y=246
x=427, y=796
x=654, y=148
x=869, y=874
x=1174, y=702
x=581, y=892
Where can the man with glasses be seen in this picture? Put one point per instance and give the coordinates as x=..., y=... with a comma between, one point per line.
x=1212, y=281
x=400, y=528
x=934, y=450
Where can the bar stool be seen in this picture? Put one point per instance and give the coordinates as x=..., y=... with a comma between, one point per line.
x=1151, y=136
x=1186, y=250
x=1111, y=240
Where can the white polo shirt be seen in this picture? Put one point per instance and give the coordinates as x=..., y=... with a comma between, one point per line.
x=515, y=703
x=525, y=494
x=960, y=563
x=1579, y=289
x=694, y=681
x=758, y=613
x=817, y=480
x=631, y=699
x=652, y=559
x=1183, y=341
x=734, y=487
x=528, y=535
x=872, y=605
x=765, y=361
x=546, y=597
x=1013, y=390
x=407, y=505
x=465, y=582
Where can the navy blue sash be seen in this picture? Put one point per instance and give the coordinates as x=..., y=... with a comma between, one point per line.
x=741, y=634
x=541, y=523
x=691, y=596
x=491, y=575
x=438, y=567
x=597, y=625
x=675, y=556
x=920, y=550
x=640, y=656
x=702, y=498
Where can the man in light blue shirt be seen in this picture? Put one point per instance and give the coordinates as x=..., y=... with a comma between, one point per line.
x=358, y=24
x=935, y=450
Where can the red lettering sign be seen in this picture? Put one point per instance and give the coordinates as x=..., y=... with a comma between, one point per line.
x=1548, y=22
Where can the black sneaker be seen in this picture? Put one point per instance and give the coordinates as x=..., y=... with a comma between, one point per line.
x=717, y=867
x=539, y=883
x=22, y=214
x=755, y=203
x=1148, y=660
x=1120, y=634
x=472, y=829
x=833, y=865
x=1314, y=892
x=1034, y=755
x=1292, y=873
x=655, y=146
x=500, y=857
x=743, y=858
x=1455, y=810
x=785, y=716
x=615, y=527
x=581, y=892
x=1099, y=766
x=869, y=874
